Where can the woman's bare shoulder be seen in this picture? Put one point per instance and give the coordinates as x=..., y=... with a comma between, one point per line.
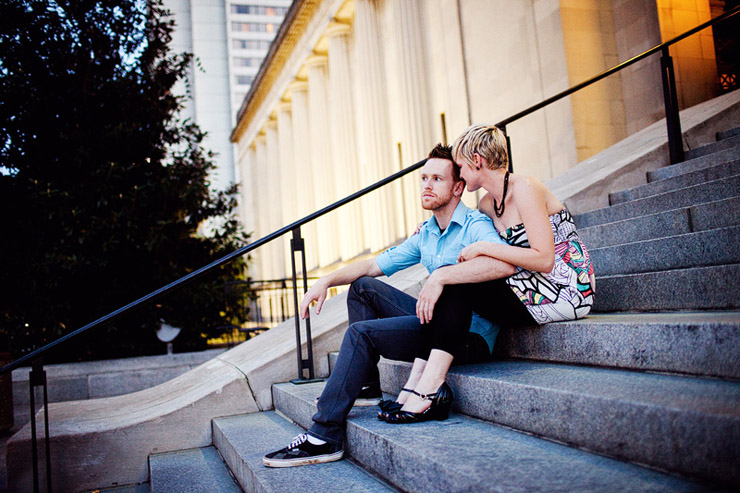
x=528, y=188
x=485, y=205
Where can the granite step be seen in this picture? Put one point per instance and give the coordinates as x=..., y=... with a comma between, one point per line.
x=244, y=439
x=468, y=454
x=727, y=142
x=199, y=470
x=701, y=217
x=687, y=425
x=703, y=248
x=695, y=164
x=677, y=182
x=692, y=343
x=699, y=288
x=728, y=133
x=710, y=191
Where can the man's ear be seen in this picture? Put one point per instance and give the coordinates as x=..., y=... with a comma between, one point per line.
x=458, y=188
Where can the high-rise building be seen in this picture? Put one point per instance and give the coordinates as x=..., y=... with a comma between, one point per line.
x=229, y=39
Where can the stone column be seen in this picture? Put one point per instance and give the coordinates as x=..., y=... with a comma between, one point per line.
x=416, y=131
x=305, y=200
x=246, y=189
x=259, y=182
x=273, y=205
x=375, y=151
x=321, y=159
x=287, y=185
x=343, y=143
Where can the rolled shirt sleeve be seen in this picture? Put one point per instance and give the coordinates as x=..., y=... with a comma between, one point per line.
x=400, y=257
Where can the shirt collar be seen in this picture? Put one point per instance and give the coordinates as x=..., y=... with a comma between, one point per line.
x=458, y=216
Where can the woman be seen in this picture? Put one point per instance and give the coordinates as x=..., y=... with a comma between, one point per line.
x=554, y=279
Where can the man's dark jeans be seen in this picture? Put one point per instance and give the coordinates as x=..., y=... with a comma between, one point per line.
x=382, y=322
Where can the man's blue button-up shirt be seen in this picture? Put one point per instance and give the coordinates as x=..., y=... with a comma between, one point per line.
x=434, y=248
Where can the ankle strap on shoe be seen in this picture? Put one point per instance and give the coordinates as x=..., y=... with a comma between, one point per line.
x=425, y=397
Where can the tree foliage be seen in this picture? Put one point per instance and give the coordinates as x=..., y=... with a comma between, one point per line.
x=103, y=189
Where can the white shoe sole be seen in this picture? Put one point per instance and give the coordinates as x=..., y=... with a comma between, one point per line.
x=367, y=402
x=359, y=402
x=318, y=459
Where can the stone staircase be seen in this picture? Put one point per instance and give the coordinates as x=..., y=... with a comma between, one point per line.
x=672, y=244
x=644, y=395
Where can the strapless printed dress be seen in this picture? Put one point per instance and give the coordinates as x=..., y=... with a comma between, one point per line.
x=565, y=293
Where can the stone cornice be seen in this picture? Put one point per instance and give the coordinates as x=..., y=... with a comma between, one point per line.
x=287, y=38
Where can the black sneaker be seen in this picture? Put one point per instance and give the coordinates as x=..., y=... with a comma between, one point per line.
x=301, y=452
x=370, y=395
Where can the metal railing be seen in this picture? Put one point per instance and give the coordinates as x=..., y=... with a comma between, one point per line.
x=35, y=358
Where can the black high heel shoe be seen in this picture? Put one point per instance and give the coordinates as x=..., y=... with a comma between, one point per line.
x=439, y=410
x=388, y=406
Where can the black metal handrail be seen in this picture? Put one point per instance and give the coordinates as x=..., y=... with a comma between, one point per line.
x=38, y=376
x=223, y=260
x=297, y=224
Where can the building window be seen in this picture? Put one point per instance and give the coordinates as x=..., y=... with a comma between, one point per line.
x=258, y=10
x=245, y=61
x=244, y=80
x=255, y=27
x=251, y=44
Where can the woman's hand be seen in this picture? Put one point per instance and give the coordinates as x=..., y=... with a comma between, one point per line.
x=418, y=228
x=474, y=250
x=428, y=298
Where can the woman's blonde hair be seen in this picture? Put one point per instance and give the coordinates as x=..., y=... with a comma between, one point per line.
x=485, y=140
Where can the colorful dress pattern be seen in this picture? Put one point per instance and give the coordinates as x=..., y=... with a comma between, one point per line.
x=565, y=293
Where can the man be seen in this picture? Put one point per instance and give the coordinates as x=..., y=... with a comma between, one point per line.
x=383, y=321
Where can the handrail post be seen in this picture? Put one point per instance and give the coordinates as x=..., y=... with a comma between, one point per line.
x=297, y=244
x=670, y=98
x=37, y=378
x=508, y=147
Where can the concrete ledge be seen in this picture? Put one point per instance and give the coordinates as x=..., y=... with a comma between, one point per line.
x=699, y=288
x=244, y=440
x=200, y=469
x=719, y=189
x=720, y=145
x=466, y=454
x=693, y=343
x=92, y=379
x=716, y=171
x=682, y=424
x=587, y=185
x=105, y=442
x=703, y=248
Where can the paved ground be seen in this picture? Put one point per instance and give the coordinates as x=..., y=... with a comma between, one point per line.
x=4, y=437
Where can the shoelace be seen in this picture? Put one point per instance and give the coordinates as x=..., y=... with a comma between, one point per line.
x=298, y=441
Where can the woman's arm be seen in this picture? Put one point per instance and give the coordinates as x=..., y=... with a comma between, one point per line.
x=529, y=198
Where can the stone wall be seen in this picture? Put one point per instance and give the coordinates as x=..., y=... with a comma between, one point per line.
x=94, y=379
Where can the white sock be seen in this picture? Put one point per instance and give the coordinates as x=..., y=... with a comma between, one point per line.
x=315, y=441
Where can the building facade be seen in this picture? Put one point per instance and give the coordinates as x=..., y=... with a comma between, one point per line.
x=229, y=39
x=355, y=90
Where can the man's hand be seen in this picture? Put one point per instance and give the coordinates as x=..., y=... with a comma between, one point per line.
x=428, y=298
x=317, y=293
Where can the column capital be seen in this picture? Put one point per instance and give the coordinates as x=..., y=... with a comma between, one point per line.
x=316, y=59
x=271, y=124
x=283, y=106
x=297, y=85
x=337, y=29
